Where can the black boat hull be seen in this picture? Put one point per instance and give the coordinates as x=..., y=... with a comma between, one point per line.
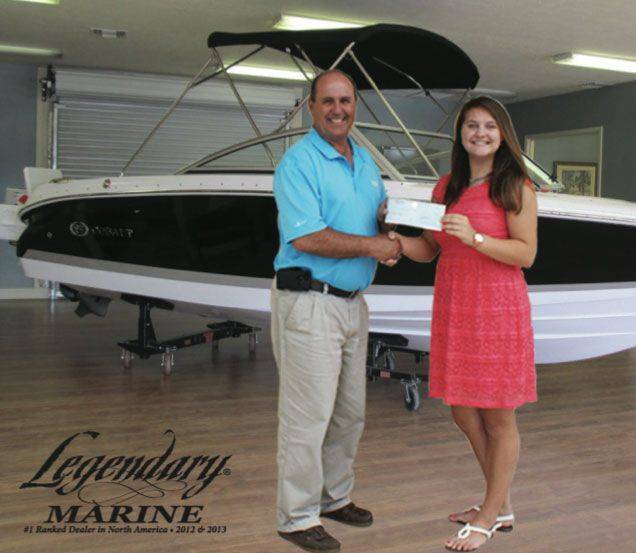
x=236, y=235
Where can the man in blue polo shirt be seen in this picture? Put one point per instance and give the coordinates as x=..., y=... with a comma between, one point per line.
x=329, y=192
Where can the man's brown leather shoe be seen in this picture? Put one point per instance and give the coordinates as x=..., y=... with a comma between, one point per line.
x=315, y=538
x=350, y=514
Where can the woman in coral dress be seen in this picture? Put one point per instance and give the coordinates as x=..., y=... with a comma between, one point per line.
x=482, y=353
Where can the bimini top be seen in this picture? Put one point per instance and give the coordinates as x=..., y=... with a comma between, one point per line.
x=388, y=52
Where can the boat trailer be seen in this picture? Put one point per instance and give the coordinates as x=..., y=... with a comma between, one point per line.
x=381, y=364
x=380, y=355
x=146, y=343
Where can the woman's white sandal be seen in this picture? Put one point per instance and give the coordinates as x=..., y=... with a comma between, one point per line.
x=468, y=528
x=505, y=518
x=501, y=518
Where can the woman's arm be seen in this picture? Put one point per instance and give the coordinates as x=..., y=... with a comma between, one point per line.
x=519, y=250
x=418, y=248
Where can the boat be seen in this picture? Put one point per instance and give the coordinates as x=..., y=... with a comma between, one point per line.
x=203, y=240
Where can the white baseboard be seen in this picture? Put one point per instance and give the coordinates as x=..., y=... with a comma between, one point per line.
x=24, y=293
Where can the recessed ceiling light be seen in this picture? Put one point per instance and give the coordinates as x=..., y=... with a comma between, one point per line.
x=300, y=23
x=109, y=33
x=622, y=65
x=29, y=51
x=268, y=72
x=54, y=2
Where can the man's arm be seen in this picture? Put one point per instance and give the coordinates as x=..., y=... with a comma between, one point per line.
x=330, y=243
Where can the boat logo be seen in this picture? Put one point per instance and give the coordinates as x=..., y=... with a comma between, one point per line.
x=81, y=229
x=78, y=228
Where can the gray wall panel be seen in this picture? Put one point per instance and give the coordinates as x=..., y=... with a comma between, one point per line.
x=17, y=149
x=612, y=107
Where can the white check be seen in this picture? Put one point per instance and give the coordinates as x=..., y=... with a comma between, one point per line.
x=415, y=213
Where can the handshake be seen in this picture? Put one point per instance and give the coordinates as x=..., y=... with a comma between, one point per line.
x=387, y=248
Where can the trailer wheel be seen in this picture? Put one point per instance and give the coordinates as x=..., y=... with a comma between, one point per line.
x=389, y=362
x=126, y=358
x=370, y=368
x=167, y=362
x=411, y=397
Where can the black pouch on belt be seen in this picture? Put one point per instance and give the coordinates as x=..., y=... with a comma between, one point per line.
x=293, y=278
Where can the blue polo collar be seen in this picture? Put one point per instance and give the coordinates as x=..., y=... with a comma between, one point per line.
x=327, y=149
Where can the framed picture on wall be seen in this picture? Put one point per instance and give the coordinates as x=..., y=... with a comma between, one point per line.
x=577, y=177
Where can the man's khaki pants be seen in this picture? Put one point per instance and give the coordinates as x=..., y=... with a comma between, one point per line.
x=320, y=346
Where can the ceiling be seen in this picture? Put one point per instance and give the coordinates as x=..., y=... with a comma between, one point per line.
x=510, y=41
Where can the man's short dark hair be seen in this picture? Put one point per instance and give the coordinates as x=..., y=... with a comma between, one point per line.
x=314, y=83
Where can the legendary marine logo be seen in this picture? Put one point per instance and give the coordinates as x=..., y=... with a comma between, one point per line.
x=104, y=482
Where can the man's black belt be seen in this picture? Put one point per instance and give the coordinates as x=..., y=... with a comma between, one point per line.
x=299, y=279
x=325, y=288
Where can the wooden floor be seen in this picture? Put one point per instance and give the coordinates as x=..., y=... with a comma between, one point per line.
x=575, y=489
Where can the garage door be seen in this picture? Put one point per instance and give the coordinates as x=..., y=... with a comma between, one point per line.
x=100, y=119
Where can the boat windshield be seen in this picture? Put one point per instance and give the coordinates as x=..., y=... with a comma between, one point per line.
x=401, y=153
x=258, y=154
x=543, y=181
x=389, y=145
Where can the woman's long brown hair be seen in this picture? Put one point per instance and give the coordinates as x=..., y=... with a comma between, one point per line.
x=508, y=170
